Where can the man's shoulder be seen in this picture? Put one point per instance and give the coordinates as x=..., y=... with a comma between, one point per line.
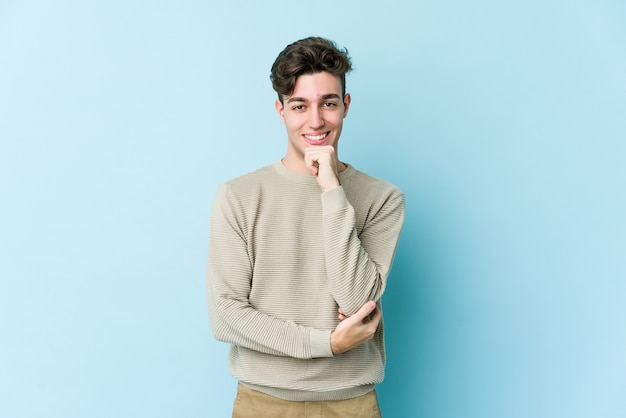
x=250, y=179
x=362, y=181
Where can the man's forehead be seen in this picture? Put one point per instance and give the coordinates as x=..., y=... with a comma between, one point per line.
x=317, y=83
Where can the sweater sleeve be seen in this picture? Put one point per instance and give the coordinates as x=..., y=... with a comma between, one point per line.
x=229, y=278
x=358, y=264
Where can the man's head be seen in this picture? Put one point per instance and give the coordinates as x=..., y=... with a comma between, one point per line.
x=308, y=56
x=309, y=77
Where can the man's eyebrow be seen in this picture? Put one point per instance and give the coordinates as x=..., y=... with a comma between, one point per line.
x=324, y=97
x=296, y=99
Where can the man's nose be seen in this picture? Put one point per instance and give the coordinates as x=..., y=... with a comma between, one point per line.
x=316, y=119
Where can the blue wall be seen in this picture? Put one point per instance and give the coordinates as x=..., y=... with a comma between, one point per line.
x=502, y=121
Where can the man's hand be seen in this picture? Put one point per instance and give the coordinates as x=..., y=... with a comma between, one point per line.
x=356, y=329
x=322, y=162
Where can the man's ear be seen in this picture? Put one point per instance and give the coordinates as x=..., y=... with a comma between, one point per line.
x=280, y=109
x=347, y=99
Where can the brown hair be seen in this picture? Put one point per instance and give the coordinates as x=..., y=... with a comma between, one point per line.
x=308, y=56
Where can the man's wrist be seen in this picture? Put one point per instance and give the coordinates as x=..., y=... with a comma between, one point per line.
x=333, y=348
x=327, y=189
x=333, y=184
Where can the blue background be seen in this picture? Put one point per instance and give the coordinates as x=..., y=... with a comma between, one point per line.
x=503, y=122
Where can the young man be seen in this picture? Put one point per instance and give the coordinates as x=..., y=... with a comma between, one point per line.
x=299, y=256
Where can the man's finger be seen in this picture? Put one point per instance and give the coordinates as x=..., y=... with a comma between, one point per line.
x=365, y=310
x=376, y=316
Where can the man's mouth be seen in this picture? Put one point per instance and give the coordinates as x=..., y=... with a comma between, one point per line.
x=312, y=139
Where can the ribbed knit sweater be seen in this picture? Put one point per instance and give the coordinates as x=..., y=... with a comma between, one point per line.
x=283, y=256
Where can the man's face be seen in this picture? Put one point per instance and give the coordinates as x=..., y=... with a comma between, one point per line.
x=313, y=115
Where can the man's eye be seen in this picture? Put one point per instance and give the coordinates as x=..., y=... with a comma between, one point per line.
x=297, y=107
x=330, y=104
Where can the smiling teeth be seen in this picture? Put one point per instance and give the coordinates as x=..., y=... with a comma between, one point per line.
x=316, y=137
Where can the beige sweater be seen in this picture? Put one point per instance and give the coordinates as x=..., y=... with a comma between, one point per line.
x=283, y=256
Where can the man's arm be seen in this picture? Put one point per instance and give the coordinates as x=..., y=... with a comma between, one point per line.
x=232, y=317
x=234, y=320
x=357, y=265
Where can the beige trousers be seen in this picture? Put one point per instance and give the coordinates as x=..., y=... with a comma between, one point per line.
x=250, y=403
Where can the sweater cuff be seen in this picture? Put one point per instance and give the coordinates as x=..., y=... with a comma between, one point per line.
x=334, y=199
x=320, y=343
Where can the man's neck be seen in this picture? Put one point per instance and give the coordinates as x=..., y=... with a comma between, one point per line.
x=295, y=164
